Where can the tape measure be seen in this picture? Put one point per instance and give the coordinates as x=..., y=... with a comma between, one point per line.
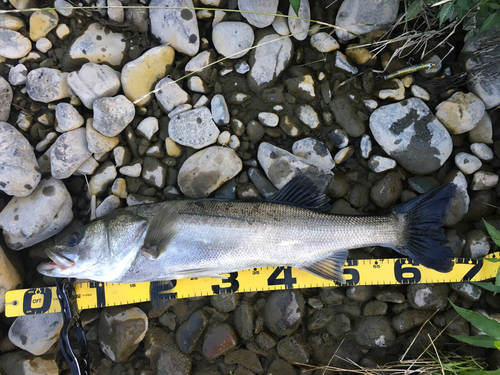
x=357, y=272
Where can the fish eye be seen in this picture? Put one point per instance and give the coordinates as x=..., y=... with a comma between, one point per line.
x=74, y=239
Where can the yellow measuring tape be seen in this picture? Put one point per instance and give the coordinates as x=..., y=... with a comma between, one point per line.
x=357, y=272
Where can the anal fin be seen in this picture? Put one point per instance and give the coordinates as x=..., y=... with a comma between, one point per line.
x=331, y=267
x=162, y=228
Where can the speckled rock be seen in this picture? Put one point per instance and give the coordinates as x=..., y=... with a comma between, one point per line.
x=70, y=150
x=98, y=143
x=460, y=113
x=233, y=39
x=52, y=203
x=206, y=170
x=140, y=75
x=409, y=132
x=299, y=26
x=112, y=115
x=176, y=27
x=194, y=128
x=170, y=94
x=36, y=333
x=427, y=296
x=67, y=118
x=5, y=99
x=42, y=22
x=47, y=85
x=121, y=330
x=20, y=172
x=284, y=311
x=254, y=11
x=9, y=278
x=281, y=166
x=13, y=45
x=374, y=332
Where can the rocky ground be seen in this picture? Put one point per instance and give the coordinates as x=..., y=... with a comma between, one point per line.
x=75, y=90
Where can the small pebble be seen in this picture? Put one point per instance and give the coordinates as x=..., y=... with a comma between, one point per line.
x=484, y=180
x=343, y=155
x=419, y=92
x=224, y=138
x=148, y=127
x=268, y=119
x=366, y=146
x=482, y=151
x=339, y=138
x=131, y=170
x=467, y=163
x=379, y=164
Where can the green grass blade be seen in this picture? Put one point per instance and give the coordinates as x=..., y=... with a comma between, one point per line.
x=295, y=6
x=482, y=372
x=489, y=22
x=488, y=286
x=479, y=340
x=489, y=326
x=492, y=231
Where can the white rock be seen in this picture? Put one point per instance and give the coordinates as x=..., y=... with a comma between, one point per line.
x=324, y=42
x=396, y=94
x=69, y=152
x=482, y=151
x=43, y=45
x=47, y=85
x=67, y=118
x=281, y=166
x=52, y=204
x=343, y=154
x=103, y=177
x=234, y=142
x=299, y=27
x=94, y=81
x=200, y=61
x=99, y=45
x=366, y=146
x=308, y=116
x=206, y=170
x=268, y=119
x=254, y=11
x=379, y=164
x=467, y=163
x=112, y=115
x=194, y=128
x=196, y=84
x=483, y=132
x=9, y=21
x=461, y=112
x=116, y=12
x=62, y=31
x=108, y=205
x=148, y=127
x=232, y=39
x=220, y=112
x=170, y=94
x=180, y=109
x=46, y=142
x=6, y=96
x=9, y=278
x=242, y=67
x=17, y=75
x=88, y=167
x=484, y=180
x=280, y=24
x=36, y=333
x=459, y=205
x=224, y=138
x=13, y=45
x=176, y=27
x=20, y=172
x=314, y=152
x=419, y=92
x=342, y=63
x=64, y=8
x=134, y=170
x=121, y=155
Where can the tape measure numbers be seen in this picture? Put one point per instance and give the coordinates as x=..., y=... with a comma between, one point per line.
x=357, y=272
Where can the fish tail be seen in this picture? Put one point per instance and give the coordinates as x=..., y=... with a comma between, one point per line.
x=425, y=239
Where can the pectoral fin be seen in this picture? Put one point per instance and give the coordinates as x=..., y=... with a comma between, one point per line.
x=161, y=230
x=330, y=268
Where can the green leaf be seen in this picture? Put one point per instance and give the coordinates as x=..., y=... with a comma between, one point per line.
x=492, y=260
x=445, y=12
x=497, y=278
x=462, y=4
x=489, y=326
x=492, y=231
x=413, y=10
x=295, y=6
x=493, y=5
x=479, y=340
x=488, y=23
x=497, y=344
x=488, y=286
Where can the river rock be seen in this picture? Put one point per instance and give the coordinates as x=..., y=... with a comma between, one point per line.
x=219, y=340
x=13, y=45
x=476, y=244
x=363, y=16
x=374, y=332
x=17, y=75
x=52, y=203
x=220, y=112
x=194, y=128
x=112, y=115
x=232, y=39
x=47, y=85
x=67, y=118
x=268, y=60
x=467, y=163
x=314, y=152
x=163, y=354
x=281, y=166
x=42, y=22
x=154, y=172
x=461, y=112
x=460, y=202
x=20, y=172
x=409, y=319
x=176, y=27
x=284, y=311
x=245, y=358
x=23, y=363
x=9, y=278
x=189, y=332
x=259, y=13
x=299, y=26
x=483, y=132
x=409, y=133
x=98, y=143
x=5, y=99
x=427, y=296
x=346, y=115
x=206, y=170
x=139, y=76
x=94, y=81
x=36, y=333
x=98, y=45
x=121, y=330
x=484, y=180
x=102, y=178
x=480, y=54
x=170, y=94
x=69, y=151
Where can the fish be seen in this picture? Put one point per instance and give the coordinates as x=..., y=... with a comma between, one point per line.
x=210, y=237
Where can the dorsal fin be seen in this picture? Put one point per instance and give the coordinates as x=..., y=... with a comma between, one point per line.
x=301, y=191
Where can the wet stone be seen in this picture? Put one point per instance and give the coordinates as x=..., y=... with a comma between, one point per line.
x=375, y=308
x=342, y=63
x=154, y=172
x=112, y=115
x=265, y=187
x=320, y=319
x=476, y=244
x=388, y=294
x=460, y=202
x=484, y=180
x=346, y=115
x=359, y=293
x=243, y=319
x=163, y=354
x=331, y=296
x=245, y=358
x=189, y=332
x=290, y=125
x=219, y=340
x=225, y=302
x=265, y=341
x=339, y=325
x=308, y=116
x=379, y=164
x=293, y=349
x=468, y=291
x=339, y=138
x=374, y=332
x=427, y=296
x=302, y=86
x=422, y=184
x=194, y=128
x=386, y=191
x=279, y=366
x=284, y=311
x=410, y=319
x=314, y=152
x=27, y=364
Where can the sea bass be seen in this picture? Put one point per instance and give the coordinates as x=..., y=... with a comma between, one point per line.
x=197, y=238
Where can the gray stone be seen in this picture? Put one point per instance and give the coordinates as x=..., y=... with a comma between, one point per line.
x=314, y=152
x=422, y=184
x=375, y=308
x=280, y=24
x=343, y=154
x=379, y=164
x=194, y=128
x=52, y=204
x=339, y=138
x=476, y=244
x=108, y=205
x=189, y=332
x=427, y=296
x=20, y=172
x=70, y=150
x=225, y=302
x=219, y=340
x=307, y=115
x=284, y=311
x=13, y=45
x=342, y=63
x=484, y=180
x=324, y=42
x=176, y=27
x=268, y=119
x=461, y=112
x=265, y=187
x=115, y=13
x=299, y=26
x=245, y=358
x=67, y=117
x=281, y=166
x=346, y=115
x=17, y=75
x=301, y=84
x=47, y=85
x=269, y=60
x=102, y=178
x=220, y=112
x=64, y=8
x=232, y=39
x=467, y=163
x=363, y=16
x=36, y=333
x=482, y=151
x=170, y=95
x=294, y=349
x=154, y=172
x=23, y=363
x=6, y=96
x=259, y=13
x=121, y=330
x=243, y=319
x=206, y=170
x=148, y=127
x=387, y=191
x=112, y=115
x=94, y=81
x=460, y=202
x=374, y=332
x=98, y=143
x=409, y=319
x=483, y=132
x=163, y=354
x=409, y=132
x=468, y=291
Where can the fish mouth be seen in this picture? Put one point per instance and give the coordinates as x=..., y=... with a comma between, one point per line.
x=59, y=261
